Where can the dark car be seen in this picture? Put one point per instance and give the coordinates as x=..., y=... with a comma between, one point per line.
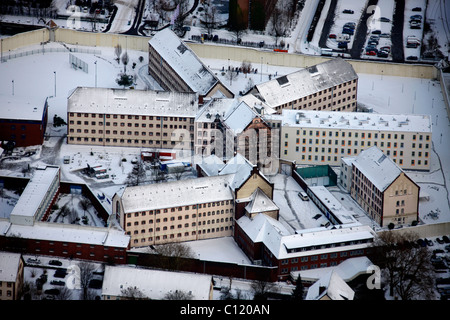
x=439, y=240
x=446, y=239
x=348, y=11
x=429, y=242
x=53, y=291
x=384, y=19
x=416, y=17
x=55, y=263
x=419, y=9
x=351, y=25
x=348, y=31
x=412, y=58
x=382, y=54
x=376, y=32
x=342, y=45
x=421, y=243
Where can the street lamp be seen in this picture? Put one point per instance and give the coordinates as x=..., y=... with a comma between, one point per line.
x=95, y=73
x=12, y=87
x=55, y=82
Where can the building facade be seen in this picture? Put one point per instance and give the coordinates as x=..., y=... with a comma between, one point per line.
x=131, y=118
x=177, y=211
x=314, y=138
x=11, y=275
x=328, y=86
x=383, y=189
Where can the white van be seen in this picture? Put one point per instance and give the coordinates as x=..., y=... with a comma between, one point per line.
x=303, y=196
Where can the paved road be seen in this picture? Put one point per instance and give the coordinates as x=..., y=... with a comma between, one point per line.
x=361, y=33
x=398, y=55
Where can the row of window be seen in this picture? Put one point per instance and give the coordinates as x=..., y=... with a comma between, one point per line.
x=363, y=135
x=179, y=226
x=128, y=141
x=136, y=117
x=180, y=235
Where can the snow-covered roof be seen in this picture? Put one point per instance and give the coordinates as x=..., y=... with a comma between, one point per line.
x=33, y=195
x=354, y=121
x=214, y=108
x=333, y=204
x=132, y=102
x=21, y=108
x=306, y=81
x=183, y=61
x=348, y=270
x=377, y=167
x=67, y=233
x=211, y=165
x=177, y=193
x=260, y=203
x=9, y=266
x=332, y=285
x=239, y=117
x=284, y=245
x=155, y=284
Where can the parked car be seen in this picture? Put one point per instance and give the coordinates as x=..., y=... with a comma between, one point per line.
x=429, y=242
x=303, y=196
x=446, y=239
x=382, y=54
x=421, y=243
x=419, y=9
x=332, y=36
x=439, y=240
x=384, y=19
x=371, y=53
x=350, y=25
x=412, y=58
x=33, y=260
x=348, y=31
x=55, y=263
x=342, y=45
x=416, y=17
x=348, y=11
x=385, y=35
x=376, y=32
x=412, y=45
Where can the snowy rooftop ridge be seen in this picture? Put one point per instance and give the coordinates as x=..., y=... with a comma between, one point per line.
x=132, y=102
x=377, y=167
x=183, y=61
x=306, y=81
x=354, y=120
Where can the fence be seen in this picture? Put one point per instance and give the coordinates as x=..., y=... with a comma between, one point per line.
x=13, y=55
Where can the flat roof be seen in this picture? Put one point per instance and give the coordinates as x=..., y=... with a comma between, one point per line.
x=21, y=108
x=9, y=266
x=35, y=191
x=177, y=193
x=67, y=233
x=132, y=102
x=354, y=120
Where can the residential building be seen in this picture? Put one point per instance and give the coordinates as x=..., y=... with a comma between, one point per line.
x=11, y=275
x=328, y=86
x=177, y=68
x=23, y=120
x=324, y=137
x=131, y=118
x=122, y=283
x=176, y=211
x=383, y=189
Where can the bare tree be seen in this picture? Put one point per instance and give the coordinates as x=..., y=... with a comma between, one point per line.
x=280, y=23
x=173, y=255
x=118, y=52
x=64, y=294
x=85, y=205
x=261, y=289
x=407, y=269
x=178, y=295
x=125, y=60
x=132, y=293
x=210, y=17
x=86, y=275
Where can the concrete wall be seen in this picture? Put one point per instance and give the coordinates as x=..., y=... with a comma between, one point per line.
x=211, y=51
x=428, y=230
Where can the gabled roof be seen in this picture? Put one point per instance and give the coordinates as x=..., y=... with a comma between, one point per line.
x=332, y=286
x=377, y=167
x=260, y=203
x=306, y=81
x=183, y=61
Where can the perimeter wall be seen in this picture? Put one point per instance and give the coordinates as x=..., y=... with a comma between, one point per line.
x=211, y=51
